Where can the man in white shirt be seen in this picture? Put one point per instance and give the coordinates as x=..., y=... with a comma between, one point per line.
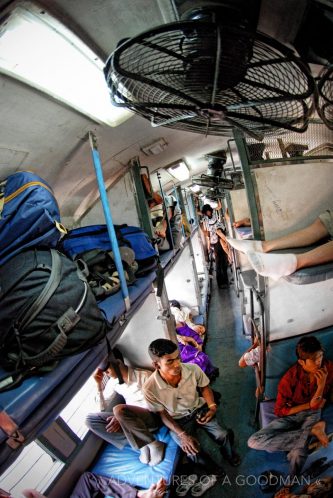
x=124, y=415
x=216, y=240
x=172, y=392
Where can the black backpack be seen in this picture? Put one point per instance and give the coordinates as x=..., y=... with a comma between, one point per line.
x=47, y=311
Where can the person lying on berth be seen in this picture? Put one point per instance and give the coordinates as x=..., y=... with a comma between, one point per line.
x=90, y=485
x=302, y=393
x=280, y=265
x=132, y=422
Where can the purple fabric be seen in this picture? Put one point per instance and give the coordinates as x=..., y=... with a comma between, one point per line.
x=188, y=332
x=189, y=354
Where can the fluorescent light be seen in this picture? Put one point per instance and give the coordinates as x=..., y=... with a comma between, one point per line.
x=195, y=188
x=40, y=51
x=179, y=171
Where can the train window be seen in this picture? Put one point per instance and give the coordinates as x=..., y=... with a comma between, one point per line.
x=42, y=52
x=34, y=468
x=83, y=402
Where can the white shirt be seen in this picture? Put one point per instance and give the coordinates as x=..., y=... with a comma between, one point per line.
x=131, y=391
x=212, y=224
x=177, y=401
x=182, y=315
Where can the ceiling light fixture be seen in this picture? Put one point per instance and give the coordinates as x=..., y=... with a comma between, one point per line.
x=179, y=170
x=40, y=51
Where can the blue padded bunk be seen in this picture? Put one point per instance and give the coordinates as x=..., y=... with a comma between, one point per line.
x=311, y=275
x=244, y=232
x=165, y=258
x=281, y=355
x=35, y=403
x=125, y=464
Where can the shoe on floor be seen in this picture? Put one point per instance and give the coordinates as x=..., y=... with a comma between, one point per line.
x=186, y=483
x=205, y=482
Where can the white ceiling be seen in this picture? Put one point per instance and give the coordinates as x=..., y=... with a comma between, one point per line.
x=45, y=136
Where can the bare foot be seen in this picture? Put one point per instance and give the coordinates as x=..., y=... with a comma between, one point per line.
x=154, y=491
x=284, y=493
x=318, y=430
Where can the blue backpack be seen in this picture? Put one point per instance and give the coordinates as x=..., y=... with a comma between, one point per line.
x=29, y=216
x=81, y=240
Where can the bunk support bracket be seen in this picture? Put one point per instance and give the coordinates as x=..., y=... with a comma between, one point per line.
x=9, y=427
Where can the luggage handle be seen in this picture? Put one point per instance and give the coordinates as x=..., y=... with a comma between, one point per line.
x=65, y=324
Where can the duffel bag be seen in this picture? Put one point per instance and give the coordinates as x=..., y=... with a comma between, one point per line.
x=47, y=310
x=29, y=215
x=84, y=239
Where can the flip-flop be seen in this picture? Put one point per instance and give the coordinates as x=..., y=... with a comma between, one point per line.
x=203, y=485
x=186, y=484
x=317, y=444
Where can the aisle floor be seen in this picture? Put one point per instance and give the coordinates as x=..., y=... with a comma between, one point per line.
x=225, y=344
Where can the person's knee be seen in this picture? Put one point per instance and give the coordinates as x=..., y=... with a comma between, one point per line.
x=119, y=411
x=252, y=442
x=90, y=420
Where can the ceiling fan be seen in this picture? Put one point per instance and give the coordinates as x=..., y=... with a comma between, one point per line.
x=211, y=72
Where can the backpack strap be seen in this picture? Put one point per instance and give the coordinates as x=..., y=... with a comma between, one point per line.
x=48, y=291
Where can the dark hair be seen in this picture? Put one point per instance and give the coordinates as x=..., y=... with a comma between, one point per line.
x=205, y=208
x=161, y=347
x=107, y=362
x=175, y=303
x=307, y=346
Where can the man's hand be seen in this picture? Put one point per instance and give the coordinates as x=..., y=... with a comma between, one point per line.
x=98, y=376
x=112, y=425
x=189, y=444
x=321, y=376
x=207, y=416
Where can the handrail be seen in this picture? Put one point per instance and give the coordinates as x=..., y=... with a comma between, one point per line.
x=108, y=217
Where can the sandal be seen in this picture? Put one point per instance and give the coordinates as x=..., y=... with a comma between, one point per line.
x=186, y=484
x=203, y=485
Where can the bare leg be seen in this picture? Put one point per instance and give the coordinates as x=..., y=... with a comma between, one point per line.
x=244, y=222
x=318, y=256
x=301, y=238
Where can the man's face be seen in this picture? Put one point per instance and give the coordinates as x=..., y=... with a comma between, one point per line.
x=170, y=364
x=312, y=364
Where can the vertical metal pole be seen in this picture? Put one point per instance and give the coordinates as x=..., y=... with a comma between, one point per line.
x=194, y=267
x=108, y=217
x=249, y=184
x=166, y=211
x=143, y=209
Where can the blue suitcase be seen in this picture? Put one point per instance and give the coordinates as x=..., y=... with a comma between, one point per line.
x=29, y=216
x=84, y=239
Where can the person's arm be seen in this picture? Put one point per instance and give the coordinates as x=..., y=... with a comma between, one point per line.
x=208, y=396
x=317, y=401
x=98, y=376
x=242, y=362
x=189, y=444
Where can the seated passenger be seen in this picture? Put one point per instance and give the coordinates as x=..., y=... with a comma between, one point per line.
x=132, y=422
x=183, y=317
x=302, y=393
x=279, y=265
x=251, y=357
x=91, y=485
x=172, y=392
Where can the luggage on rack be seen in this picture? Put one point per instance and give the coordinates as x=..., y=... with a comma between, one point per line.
x=101, y=272
x=47, y=311
x=84, y=239
x=29, y=215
